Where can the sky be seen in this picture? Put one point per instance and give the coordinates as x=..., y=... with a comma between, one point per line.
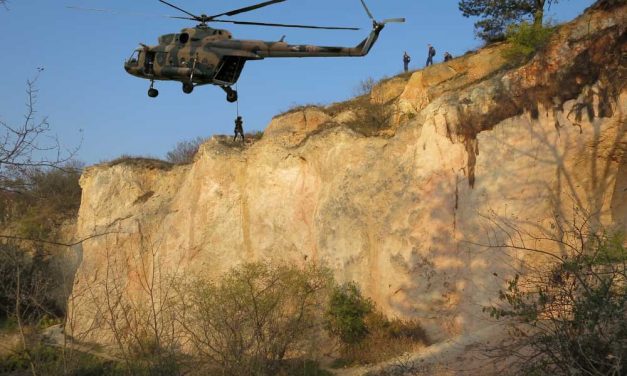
x=91, y=102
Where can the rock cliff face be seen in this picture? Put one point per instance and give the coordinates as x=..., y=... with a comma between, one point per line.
x=404, y=211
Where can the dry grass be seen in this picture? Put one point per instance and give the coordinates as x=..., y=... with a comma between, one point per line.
x=386, y=339
x=142, y=162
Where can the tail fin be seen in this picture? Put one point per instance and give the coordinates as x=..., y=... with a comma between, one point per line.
x=365, y=46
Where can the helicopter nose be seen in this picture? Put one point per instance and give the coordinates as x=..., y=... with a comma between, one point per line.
x=130, y=67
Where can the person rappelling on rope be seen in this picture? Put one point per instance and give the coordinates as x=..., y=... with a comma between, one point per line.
x=239, y=128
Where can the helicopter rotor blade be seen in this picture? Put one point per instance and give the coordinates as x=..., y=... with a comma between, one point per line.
x=287, y=25
x=246, y=9
x=196, y=18
x=183, y=18
x=367, y=10
x=113, y=11
x=396, y=20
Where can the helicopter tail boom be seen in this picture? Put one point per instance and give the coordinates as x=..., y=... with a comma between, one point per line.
x=282, y=49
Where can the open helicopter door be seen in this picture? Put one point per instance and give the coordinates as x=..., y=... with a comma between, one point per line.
x=229, y=70
x=149, y=63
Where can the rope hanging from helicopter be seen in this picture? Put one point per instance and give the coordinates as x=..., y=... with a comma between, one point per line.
x=237, y=102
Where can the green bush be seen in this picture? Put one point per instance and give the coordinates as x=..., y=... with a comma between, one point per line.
x=570, y=317
x=524, y=40
x=345, y=316
x=368, y=336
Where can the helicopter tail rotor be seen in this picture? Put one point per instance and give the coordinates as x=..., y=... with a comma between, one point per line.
x=377, y=23
x=367, y=10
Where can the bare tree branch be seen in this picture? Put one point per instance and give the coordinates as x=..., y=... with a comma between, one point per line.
x=30, y=144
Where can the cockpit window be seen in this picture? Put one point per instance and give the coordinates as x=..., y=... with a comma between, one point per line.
x=134, y=59
x=184, y=38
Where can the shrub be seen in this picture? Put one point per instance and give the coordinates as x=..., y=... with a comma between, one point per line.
x=345, y=316
x=386, y=338
x=141, y=162
x=570, y=316
x=27, y=286
x=257, y=315
x=47, y=360
x=300, y=107
x=256, y=136
x=365, y=86
x=185, y=151
x=368, y=336
x=45, y=199
x=524, y=40
x=372, y=118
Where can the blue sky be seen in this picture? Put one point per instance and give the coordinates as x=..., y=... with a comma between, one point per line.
x=85, y=92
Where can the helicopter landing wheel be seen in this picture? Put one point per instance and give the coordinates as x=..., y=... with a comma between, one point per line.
x=231, y=96
x=152, y=92
x=188, y=87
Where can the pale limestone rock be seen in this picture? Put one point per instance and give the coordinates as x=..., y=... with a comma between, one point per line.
x=425, y=85
x=345, y=117
x=388, y=90
x=294, y=127
x=405, y=216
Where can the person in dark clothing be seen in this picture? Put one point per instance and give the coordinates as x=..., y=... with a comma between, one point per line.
x=239, y=128
x=447, y=56
x=430, y=56
x=406, y=60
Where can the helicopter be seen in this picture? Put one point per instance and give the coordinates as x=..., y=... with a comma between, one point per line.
x=202, y=55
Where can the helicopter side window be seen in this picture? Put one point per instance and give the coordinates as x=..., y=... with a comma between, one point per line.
x=184, y=38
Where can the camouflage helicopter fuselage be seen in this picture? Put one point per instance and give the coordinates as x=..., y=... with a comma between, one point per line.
x=203, y=55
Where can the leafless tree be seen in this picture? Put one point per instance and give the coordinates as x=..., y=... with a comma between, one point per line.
x=258, y=315
x=29, y=144
x=185, y=151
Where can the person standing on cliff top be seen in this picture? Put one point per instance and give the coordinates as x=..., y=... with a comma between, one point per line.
x=430, y=55
x=406, y=60
x=239, y=128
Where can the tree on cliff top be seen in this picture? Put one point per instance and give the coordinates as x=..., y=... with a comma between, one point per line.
x=497, y=15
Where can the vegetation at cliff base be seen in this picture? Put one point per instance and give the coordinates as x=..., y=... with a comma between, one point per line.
x=365, y=335
x=569, y=316
x=255, y=317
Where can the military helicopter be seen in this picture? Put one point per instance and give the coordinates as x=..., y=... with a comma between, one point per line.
x=202, y=55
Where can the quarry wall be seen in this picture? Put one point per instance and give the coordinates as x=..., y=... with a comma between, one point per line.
x=411, y=214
